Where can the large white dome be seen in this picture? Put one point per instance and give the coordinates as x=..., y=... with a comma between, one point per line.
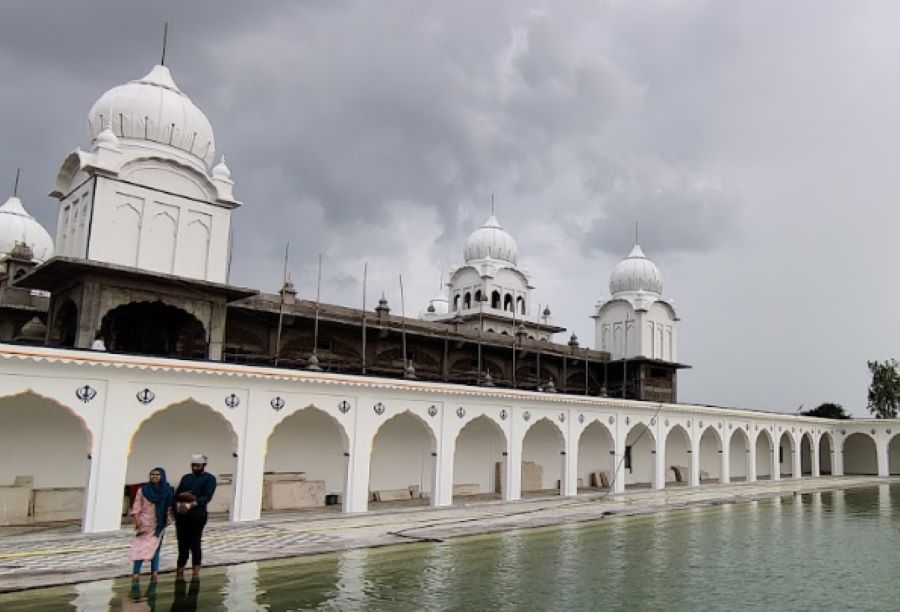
x=154, y=109
x=491, y=240
x=16, y=225
x=636, y=273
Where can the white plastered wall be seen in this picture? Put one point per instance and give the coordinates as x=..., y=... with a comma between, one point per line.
x=826, y=452
x=860, y=455
x=739, y=455
x=764, y=455
x=710, y=455
x=785, y=456
x=677, y=446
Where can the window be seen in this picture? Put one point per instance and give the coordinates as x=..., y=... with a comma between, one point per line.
x=508, y=303
x=520, y=303
x=467, y=301
x=324, y=344
x=628, y=458
x=478, y=295
x=495, y=299
x=456, y=302
x=780, y=454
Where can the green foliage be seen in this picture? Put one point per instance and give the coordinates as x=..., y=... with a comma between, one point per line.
x=827, y=410
x=884, y=392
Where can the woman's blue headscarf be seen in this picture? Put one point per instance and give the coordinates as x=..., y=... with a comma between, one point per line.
x=162, y=495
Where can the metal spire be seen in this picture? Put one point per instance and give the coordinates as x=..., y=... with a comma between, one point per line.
x=162, y=61
x=16, y=185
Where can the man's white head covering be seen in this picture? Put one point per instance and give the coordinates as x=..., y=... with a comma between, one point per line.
x=199, y=458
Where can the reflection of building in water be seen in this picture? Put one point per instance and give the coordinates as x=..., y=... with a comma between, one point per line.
x=473, y=400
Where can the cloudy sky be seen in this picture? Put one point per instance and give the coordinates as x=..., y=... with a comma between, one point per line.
x=756, y=142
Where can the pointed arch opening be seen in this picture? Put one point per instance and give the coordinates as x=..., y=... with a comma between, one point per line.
x=739, y=455
x=806, y=454
x=826, y=455
x=478, y=460
x=678, y=457
x=169, y=437
x=542, y=458
x=403, y=461
x=46, y=461
x=154, y=328
x=306, y=462
x=786, y=452
x=638, y=457
x=765, y=469
x=710, y=456
x=596, y=458
x=860, y=455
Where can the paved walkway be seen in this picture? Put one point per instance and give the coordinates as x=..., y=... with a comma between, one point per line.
x=29, y=560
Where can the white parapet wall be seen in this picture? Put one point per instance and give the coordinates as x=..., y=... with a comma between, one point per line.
x=92, y=423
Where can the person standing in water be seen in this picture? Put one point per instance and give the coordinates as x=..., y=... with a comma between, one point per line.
x=152, y=509
x=194, y=492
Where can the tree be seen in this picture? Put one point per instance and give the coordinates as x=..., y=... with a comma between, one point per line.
x=884, y=392
x=827, y=410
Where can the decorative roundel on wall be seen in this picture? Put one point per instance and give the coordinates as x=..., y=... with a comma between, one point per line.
x=873, y=432
x=747, y=426
x=720, y=425
x=85, y=393
x=612, y=420
x=887, y=431
x=378, y=408
x=688, y=422
x=526, y=415
x=628, y=420
x=503, y=414
x=667, y=422
x=562, y=417
x=843, y=432
x=792, y=429
x=581, y=418
x=757, y=426
x=460, y=412
x=277, y=403
x=700, y=424
x=730, y=426
x=344, y=406
x=432, y=411
x=232, y=401
x=653, y=421
x=145, y=396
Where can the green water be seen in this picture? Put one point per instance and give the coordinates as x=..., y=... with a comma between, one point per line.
x=819, y=551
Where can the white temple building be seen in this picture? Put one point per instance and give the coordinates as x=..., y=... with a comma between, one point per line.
x=493, y=409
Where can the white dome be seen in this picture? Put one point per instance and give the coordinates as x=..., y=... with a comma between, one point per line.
x=491, y=240
x=636, y=273
x=154, y=109
x=16, y=225
x=439, y=304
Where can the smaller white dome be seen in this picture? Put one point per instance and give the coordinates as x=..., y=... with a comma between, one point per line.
x=636, y=273
x=439, y=304
x=491, y=241
x=17, y=226
x=221, y=171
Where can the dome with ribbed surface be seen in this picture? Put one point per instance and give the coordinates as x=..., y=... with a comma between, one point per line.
x=491, y=241
x=636, y=273
x=17, y=226
x=153, y=109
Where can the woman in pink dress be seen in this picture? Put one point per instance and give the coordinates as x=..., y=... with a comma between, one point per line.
x=151, y=510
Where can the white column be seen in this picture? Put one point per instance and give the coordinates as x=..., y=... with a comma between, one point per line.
x=250, y=464
x=725, y=477
x=659, y=463
x=776, y=464
x=695, y=461
x=107, y=468
x=570, y=463
x=750, y=454
x=814, y=459
x=796, y=465
x=837, y=456
x=443, y=467
x=356, y=497
x=881, y=450
x=514, y=457
x=619, y=456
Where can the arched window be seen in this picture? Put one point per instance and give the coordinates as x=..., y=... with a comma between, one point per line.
x=508, y=303
x=495, y=299
x=456, y=302
x=478, y=296
x=520, y=304
x=467, y=301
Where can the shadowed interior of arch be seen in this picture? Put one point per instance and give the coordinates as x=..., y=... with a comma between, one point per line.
x=710, y=455
x=168, y=437
x=478, y=459
x=678, y=457
x=764, y=455
x=46, y=485
x=403, y=459
x=739, y=455
x=860, y=455
x=639, y=457
x=154, y=328
x=596, y=461
x=542, y=458
x=306, y=462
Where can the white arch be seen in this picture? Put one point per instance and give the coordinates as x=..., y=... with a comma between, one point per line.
x=476, y=466
x=606, y=463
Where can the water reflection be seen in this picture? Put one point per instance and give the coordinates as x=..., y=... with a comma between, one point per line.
x=828, y=550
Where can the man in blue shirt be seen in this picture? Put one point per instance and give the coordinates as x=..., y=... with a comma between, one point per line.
x=191, y=497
